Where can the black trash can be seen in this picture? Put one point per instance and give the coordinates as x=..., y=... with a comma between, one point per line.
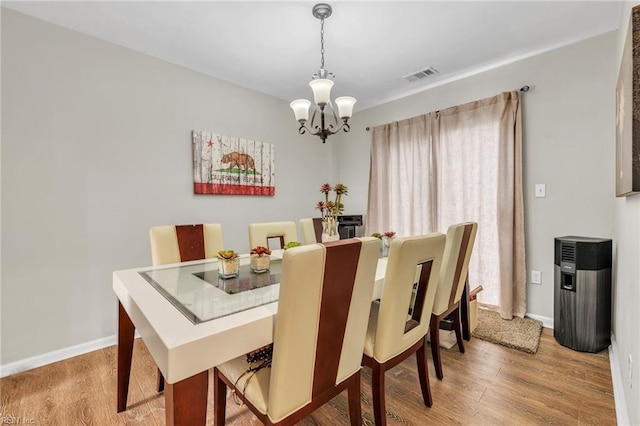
x=582, y=293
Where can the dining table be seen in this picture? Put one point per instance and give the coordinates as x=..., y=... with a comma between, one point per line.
x=191, y=320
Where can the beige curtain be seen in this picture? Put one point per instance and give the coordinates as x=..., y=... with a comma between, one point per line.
x=400, y=191
x=471, y=166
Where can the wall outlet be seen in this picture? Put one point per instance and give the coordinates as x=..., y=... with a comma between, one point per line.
x=630, y=372
x=536, y=277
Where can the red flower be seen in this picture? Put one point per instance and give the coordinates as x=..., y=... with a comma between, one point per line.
x=325, y=188
x=260, y=251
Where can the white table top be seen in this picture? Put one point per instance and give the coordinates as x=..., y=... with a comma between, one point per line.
x=181, y=348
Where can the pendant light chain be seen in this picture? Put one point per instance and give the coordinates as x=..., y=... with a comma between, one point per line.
x=322, y=43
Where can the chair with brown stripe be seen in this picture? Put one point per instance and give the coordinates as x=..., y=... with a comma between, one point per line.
x=410, y=285
x=311, y=230
x=182, y=243
x=323, y=310
x=453, y=278
x=260, y=234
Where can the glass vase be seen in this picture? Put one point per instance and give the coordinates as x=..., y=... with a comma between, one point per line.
x=260, y=263
x=228, y=268
x=330, y=229
x=386, y=244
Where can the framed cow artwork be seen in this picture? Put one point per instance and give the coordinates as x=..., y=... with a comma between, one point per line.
x=231, y=165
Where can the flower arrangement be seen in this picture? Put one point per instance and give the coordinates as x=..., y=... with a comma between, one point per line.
x=331, y=209
x=386, y=241
x=260, y=260
x=227, y=263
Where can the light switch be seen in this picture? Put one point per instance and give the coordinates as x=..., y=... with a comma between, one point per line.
x=536, y=277
x=541, y=190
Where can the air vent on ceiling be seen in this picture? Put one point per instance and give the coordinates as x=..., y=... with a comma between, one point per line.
x=421, y=74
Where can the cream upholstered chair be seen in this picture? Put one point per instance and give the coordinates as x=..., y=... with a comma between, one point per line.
x=393, y=335
x=182, y=243
x=320, y=328
x=261, y=233
x=311, y=230
x=453, y=276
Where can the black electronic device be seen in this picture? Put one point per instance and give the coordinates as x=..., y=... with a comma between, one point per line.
x=582, y=293
x=350, y=226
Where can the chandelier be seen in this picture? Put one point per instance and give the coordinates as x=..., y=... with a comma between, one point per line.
x=324, y=120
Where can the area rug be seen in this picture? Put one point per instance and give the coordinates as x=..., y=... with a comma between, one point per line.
x=518, y=333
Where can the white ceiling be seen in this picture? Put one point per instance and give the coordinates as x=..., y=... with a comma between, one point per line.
x=274, y=47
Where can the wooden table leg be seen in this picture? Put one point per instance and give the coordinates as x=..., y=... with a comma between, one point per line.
x=126, y=331
x=186, y=401
x=464, y=311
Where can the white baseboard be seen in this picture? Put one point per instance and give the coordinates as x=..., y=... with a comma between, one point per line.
x=546, y=321
x=58, y=355
x=622, y=415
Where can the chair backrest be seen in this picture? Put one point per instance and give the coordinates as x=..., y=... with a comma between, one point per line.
x=455, y=265
x=323, y=312
x=411, y=260
x=261, y=233
x=181, y=243
x=311, y=230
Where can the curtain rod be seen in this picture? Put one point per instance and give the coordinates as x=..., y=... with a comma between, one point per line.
x=523, y=89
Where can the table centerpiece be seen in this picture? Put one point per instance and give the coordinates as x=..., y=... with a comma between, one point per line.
x=330, y=210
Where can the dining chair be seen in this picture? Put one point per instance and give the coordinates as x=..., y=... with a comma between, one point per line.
x=182, y=243
x=261, y=233
x=323, y=310
x=410, y=285
x=453, y=277
x=311, y=230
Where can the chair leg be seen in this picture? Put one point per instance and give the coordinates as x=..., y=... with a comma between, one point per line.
x=377, y=389
x=434, y=330
x=457, y=325
x=219, y=399
x=160, y=382
x=423, y=374
x=355, y=410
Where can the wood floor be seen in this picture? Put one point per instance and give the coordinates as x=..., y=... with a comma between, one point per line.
x=488, y=385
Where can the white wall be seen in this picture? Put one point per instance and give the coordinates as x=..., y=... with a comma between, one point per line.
x=627, y=272
x=569, y=144
x=568, y=119
x=96, y=149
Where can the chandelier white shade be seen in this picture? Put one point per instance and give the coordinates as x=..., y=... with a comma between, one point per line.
x=324, y=120
x=321, y=90
x=301, y=109
x=345, y=106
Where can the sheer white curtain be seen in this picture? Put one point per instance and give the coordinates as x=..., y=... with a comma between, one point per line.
x=471, y=167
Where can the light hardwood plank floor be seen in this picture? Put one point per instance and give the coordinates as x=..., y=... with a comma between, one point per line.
x=488, y=385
